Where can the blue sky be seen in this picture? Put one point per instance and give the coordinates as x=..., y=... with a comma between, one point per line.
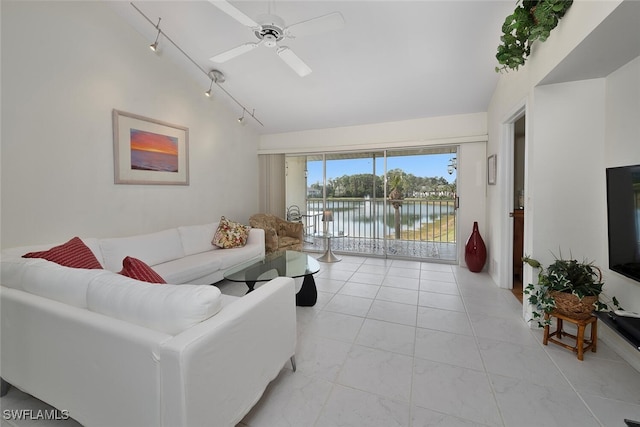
x=422, y=166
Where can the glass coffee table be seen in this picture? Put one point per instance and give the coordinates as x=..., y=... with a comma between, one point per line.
x=280, y=264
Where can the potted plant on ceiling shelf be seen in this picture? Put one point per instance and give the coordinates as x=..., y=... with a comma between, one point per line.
x=530, y=21
x=569, y=287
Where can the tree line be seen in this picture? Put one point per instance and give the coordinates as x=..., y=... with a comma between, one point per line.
x=363, y=185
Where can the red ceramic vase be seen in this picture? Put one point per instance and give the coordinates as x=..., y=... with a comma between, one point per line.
x=475, y=252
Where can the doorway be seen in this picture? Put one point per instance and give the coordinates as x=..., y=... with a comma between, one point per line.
x=518, y=205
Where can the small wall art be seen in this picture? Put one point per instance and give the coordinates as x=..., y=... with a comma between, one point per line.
x=149, y=151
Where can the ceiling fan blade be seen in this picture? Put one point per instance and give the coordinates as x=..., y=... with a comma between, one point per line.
x=232, y=53
x=330, y=22
x=293, y=61
x=236, y=14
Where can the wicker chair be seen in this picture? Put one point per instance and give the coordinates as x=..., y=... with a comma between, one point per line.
x=279, y=234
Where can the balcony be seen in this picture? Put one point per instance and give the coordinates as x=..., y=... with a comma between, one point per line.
x=427, y=227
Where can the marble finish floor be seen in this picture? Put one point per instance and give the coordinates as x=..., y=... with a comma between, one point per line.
x=405, y=343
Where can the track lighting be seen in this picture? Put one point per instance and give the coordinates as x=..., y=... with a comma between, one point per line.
x=154, y=46
x=215, y=76
x=208, y=93
x=241, y=119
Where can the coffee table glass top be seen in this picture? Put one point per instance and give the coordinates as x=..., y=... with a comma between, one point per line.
x=278, y=264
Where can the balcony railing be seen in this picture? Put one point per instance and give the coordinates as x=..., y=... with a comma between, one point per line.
x=421, y=220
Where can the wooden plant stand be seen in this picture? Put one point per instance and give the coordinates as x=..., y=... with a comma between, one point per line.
x=582, y=345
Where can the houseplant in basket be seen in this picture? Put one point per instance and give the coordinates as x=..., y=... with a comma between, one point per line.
x=568, y=287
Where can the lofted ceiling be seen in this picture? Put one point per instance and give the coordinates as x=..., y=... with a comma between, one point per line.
x=392, y=60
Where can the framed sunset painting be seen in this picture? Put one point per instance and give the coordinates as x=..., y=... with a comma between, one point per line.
x=148, y=151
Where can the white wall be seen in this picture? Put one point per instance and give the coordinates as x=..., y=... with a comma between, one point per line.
x=406, y=133
x=514, y=92
x=574, y=130
x=567, y=171
x=621, y=147
x=65, y=66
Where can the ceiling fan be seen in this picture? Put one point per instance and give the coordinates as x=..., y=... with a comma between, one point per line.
x=271, y=29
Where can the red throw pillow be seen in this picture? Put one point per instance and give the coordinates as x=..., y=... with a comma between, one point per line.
x=136, y=269
x=74, y=254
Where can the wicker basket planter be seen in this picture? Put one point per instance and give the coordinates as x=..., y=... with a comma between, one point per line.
x=567, y=287
x=572, y=306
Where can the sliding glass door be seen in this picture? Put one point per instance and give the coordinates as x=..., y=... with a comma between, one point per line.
x=397, y=203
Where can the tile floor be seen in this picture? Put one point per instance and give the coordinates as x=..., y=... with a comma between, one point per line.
x=404, y=343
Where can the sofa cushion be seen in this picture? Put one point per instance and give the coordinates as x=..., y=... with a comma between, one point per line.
x=197, y=238
x=50, y=280
x=136, y=269
x=230, y=234
x=73, y=253
x=154, y=248
x=188, y=269
x=232, y=257
x=12, y=270
x=170, y=308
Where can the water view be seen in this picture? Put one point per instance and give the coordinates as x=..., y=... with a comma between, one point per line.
x=428, y=220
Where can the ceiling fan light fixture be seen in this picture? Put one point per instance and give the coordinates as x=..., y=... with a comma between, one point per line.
x=271, y=29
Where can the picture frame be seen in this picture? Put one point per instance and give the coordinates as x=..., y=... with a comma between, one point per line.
x=149, y=151
x=491, y=169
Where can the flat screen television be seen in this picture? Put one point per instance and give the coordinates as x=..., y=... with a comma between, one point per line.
x=623, y=218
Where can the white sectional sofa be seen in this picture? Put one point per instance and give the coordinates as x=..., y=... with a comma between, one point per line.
x=112, y=350
x=180, y=255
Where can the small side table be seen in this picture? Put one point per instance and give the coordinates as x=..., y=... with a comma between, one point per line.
x=582, y=345
x=328, y=254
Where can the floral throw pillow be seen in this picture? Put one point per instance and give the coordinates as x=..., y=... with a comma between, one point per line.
x=230, y=234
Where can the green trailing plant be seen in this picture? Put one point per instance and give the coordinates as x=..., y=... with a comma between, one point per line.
x=530, y=21
x=570, y=276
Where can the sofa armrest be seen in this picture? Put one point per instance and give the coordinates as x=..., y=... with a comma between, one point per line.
x=214, y=372
x=67, y=356
x=270, y=237
x=290, y=229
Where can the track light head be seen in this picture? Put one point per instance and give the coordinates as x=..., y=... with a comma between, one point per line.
x=215, y=76
x=209, y=93
x=241, y=119
x=154, y=46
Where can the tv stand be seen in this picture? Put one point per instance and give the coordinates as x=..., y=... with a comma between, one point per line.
x=611, y=320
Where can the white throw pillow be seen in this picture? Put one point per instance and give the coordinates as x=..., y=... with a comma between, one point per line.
x=152, y=249
x=166, y=308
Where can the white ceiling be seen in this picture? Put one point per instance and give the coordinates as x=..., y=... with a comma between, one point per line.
x=393, y=60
